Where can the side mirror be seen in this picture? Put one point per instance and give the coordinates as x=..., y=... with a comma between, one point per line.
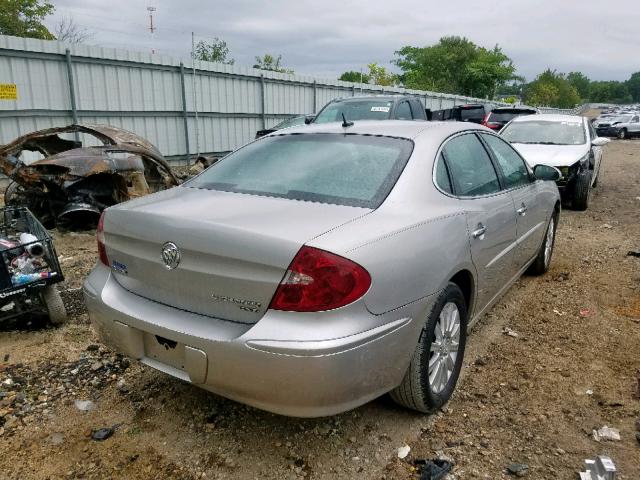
x=545, y=172
x=308, y=119
x=599, y=141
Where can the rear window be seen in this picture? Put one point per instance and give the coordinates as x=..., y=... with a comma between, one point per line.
x=471, y=113
x=355, y=110
x=353, y=170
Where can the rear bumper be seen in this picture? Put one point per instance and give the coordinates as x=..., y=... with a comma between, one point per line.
x=307, y=365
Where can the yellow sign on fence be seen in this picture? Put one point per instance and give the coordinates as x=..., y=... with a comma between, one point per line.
x=8, y=91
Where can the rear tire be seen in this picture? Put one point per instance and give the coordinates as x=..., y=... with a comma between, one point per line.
x=433, y=372
x=54, y=304
x=543, y=260
x=581, y=191
x=623, y=134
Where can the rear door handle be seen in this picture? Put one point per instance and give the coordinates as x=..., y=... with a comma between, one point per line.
x=522, y=210
x=479, y=232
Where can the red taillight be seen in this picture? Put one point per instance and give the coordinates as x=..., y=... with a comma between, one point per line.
x=485, y=120
x=317, y=280
x=102, y=252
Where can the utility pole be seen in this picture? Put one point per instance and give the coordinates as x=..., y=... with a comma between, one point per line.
x=195, y=97
x=152, y=29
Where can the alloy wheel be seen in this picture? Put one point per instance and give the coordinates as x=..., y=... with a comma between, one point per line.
x=444, y=347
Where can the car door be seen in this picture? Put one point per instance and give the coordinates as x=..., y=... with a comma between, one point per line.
x=634, y=127
x=524, y=190
x=489, y=210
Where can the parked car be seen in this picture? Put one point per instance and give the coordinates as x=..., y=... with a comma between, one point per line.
x=621, y=126
x=566, y=142
x=499, y=117
x=372, y=107
x=289, y=122
x=473, y=112
x=318, y=268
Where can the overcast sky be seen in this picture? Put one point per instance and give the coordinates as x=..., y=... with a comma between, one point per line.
x=326, y=37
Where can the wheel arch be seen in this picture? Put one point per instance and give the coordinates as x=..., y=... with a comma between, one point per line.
x=465, y=281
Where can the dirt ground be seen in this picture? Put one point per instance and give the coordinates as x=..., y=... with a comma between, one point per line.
x=532, y=399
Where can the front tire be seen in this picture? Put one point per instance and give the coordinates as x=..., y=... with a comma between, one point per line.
x=581, y=191
x=623, y=134
x=543, y=260
x=435, y=366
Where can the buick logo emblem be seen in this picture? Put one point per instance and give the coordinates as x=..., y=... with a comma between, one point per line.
x=170, y=255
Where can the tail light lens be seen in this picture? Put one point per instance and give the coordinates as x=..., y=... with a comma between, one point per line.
x=485, y=120
x=102, y=252
x=318, y=280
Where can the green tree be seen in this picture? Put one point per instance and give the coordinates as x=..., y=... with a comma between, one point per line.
x=23, y=18
x=581, y=83
x=455, y=65
x=633, y=86
x=378, y=75
x=355, y=77
x=214, y=51
x=271, y=63
x=552, y=89
x=610, y=92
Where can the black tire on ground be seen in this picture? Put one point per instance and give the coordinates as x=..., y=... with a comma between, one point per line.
x=581, y=191
x=622, y=133
x=54, y=305
x=541, y=264
x=415, y=391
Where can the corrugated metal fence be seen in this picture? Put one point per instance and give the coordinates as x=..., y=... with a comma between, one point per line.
x=153, y=95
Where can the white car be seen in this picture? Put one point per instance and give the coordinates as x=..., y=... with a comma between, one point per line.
x=566, y=142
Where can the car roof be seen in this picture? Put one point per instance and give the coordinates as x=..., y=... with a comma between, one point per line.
x=390, y=128
x=514, y=108
x=549, y=117
x=390, y=98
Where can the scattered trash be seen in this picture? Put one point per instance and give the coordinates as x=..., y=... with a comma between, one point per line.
x=558, y=312
x=84, y=405
x=403, y=451
x=102, y=434
x=633, y=253
x=584, y=312
x=433, y=469
x=507, y=331
x=602, y=468
x=518, y=469
x=8, y=382
x=606, y=433
x=606, y=225
x=589, y=392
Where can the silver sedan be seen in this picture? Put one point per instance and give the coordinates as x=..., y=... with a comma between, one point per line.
x=318, y=268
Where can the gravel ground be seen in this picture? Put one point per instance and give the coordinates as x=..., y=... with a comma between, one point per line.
x=532, y=399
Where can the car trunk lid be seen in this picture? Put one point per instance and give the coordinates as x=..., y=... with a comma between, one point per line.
x=234, y=248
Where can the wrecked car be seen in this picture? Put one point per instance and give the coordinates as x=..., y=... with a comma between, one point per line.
x=74, y=182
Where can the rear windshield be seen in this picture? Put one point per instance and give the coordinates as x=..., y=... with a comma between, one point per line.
x=471, y=113
x=355, y=110
x=353, y=170
x=506, y=116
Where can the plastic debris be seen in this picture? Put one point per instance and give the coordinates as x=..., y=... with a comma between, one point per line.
x=558, y=312
x=84, y=405
x=511, y=333
x=602, y=468
x=102, y=434
x=606, y=433
x=633, y=253
x=433, y=469
x=23, y=278
x=589, y=392
x=518, y=469
x=584, y=312
x=403, y=451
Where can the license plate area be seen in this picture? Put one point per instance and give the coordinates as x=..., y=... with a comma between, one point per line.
x=164, y=350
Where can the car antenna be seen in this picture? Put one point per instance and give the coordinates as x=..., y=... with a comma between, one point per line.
x=345, y=124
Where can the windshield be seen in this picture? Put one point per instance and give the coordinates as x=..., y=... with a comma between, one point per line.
x=545, y=132
x=353, y=170
x=471, y=113
x=355, y=110
x=290, y=122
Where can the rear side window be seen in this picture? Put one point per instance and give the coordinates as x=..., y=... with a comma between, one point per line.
x=353, y=170
x=442, y=175
x=355, y=110
x=513, y=167
x=470, y=167
x=403, y=111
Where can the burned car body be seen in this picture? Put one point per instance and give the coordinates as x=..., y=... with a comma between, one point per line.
x=74, y=183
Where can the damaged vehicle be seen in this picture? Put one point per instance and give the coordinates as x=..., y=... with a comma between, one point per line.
x=74, y=181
